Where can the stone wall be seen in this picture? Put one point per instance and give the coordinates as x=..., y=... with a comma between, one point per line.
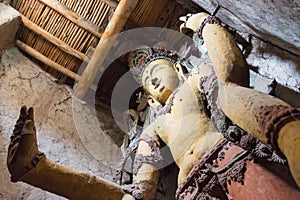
x=9, y=24
x=279, y=70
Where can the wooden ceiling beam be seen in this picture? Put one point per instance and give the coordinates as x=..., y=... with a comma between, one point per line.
x=73, y=16
x=37, y=55
x=54, y=40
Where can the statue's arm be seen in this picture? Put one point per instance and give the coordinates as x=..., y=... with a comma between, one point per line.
x=267, y=118
x=27, y=164
x=228, y=61
x=147, y=161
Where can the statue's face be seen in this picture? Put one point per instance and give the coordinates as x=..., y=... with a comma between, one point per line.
x=160, y=79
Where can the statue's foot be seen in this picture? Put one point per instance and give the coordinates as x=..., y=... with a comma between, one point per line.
x=23, y=153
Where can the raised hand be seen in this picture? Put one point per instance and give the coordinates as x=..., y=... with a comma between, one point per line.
x=23, y=153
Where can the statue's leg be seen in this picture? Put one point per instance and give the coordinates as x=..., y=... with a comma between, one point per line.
x=27, y=164
x=256, y=178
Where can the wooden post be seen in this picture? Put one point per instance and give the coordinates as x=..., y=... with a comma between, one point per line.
x=74, y=17
x=115, y=25
x=54, y=40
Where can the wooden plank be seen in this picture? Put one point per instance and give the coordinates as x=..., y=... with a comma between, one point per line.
x=37, y=55
x=74, y=17
x=56, y=41
x=115, y=25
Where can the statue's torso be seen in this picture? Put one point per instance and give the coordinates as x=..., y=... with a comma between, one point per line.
x=188, y=131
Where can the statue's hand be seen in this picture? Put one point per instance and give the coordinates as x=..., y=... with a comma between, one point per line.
x=192, y=22
x=23, y=153
x=133, y=190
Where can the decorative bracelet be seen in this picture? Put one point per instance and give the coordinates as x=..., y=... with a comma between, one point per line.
x=134, y=190
x=154, y=158
x=34, y=162
x=210, y=20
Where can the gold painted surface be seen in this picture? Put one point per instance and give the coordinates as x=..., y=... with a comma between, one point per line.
x=288, y=142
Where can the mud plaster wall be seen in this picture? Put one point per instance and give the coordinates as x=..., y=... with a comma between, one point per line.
x=22, y=82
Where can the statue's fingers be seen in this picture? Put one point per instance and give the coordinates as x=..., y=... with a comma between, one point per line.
x=23, y=110
x=20, y=122
x=12, y=149
x=21, y=151
x=30, y=114
x=23, y=114
x=16, y=136
x=23, y=144
x=28, y=128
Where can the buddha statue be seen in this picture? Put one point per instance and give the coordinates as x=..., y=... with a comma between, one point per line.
x=227, y=140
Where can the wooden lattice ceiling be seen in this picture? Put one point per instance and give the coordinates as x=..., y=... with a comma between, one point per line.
x=60, y=34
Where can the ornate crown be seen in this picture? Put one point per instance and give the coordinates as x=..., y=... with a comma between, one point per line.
x=140, y=58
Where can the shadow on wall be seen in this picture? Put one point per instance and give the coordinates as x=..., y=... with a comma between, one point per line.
x=274, y=63
x=287, y=95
